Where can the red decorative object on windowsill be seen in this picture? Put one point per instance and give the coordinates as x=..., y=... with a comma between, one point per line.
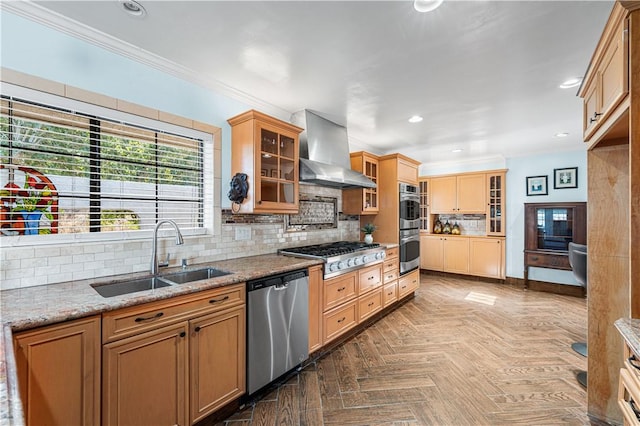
x=26, y=208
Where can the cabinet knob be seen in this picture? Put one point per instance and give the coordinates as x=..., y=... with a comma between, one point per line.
x=183, y=334
x=595, y=117
x=197, y=329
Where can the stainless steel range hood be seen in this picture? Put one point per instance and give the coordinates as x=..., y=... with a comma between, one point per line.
x=324, y=153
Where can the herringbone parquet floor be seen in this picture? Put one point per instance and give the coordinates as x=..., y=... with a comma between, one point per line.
x=462, y=352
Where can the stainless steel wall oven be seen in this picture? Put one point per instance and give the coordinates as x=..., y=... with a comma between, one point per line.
x=409, y=228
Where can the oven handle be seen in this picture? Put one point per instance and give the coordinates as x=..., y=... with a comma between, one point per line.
x=408, y=238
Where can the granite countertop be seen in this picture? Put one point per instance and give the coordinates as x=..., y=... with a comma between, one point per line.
x=629, y=328
x=31, y=307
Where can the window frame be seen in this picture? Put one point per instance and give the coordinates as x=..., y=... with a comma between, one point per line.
x=80, y=106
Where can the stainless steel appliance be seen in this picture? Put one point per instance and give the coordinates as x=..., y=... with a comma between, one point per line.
x=340, y=257
x=277, y=326
x=409, y=228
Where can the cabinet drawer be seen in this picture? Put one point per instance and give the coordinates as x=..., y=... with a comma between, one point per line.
x=339, y=290
x=634, y=372
x=389, y=293
x=542, y=260
x=390, y=275
x=390, y=265
x=137, y=319
x=340, y=320
x=408, y=283
x=392, y=253
x=369, y=278
x=628, y=397
x=370, y=304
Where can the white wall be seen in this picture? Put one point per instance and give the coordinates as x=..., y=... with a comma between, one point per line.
x=519, y=169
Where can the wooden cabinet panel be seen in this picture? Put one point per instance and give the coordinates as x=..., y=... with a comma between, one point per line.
x=369, y=278
x=59, y=373
x=339, y=320
x=266, y=149
x=137, y=319
x=471, y=193
x=408, y=283
x=362, y=201
x=315, y=307
x=496, y=204
x=443, y=194
x=145, y=378
x=217, y=361
x=458, y=194
x=431, y=252
x=486, y=257
x=369, y=304
x=407, y=171
x=389, y=293
x=607, y=82
x=339, y=290
x=390, y=275
x=456, y=255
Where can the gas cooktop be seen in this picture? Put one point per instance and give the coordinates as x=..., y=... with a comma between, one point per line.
x=340, y=257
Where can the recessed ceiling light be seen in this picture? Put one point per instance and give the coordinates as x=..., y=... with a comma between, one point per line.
x=456, y=150
x=426, y=5
x=572, y=82
x=415, y=119
x=561, y=135
x=133, y=8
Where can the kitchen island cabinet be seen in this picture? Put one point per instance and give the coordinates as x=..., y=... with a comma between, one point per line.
x=59, y=373
x=188, y=361
x=267, y=151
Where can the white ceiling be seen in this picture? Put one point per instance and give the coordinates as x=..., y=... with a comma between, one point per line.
x=483, y=74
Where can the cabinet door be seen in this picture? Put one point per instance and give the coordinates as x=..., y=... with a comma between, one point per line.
x=277, y=162
x=443, y=195
x=456, y=255
x=369, y=278
x=431, y=252
x=613, y=75
x=217, y=367
x=496, y=204
x=145, y=378
x=408, y=283
x=315, y=308
x=590, y=108
x=407, y=172
x=471, y=193
x=486, y=257
x=59, y=373
x=425, y=210
x=362, y=201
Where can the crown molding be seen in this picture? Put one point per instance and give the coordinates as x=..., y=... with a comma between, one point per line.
x=36, y=13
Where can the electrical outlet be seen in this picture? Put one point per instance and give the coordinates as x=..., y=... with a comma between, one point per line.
x=243, y=233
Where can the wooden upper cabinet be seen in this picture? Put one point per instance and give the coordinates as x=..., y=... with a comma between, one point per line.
x=59, y=373
x=458, y=194
x=359, y=201
x=267, y=150
x=399, y=168
x=606, y=83
x=496, y=202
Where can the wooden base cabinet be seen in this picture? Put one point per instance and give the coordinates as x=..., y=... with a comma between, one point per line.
x=185, y=361
x=486, y=257
x=145, y=378
x=59, y=373
x=408, y=283
x=444, y=253
x=315, y=308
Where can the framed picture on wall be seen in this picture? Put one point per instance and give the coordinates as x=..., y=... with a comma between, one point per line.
x=537, y=185
x=565, y=178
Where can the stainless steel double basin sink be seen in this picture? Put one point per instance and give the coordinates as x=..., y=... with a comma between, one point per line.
x=117, y=288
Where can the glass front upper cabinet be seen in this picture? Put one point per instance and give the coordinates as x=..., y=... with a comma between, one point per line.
x=495, y=204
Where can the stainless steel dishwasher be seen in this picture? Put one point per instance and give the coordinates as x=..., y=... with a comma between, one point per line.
x=277, y=326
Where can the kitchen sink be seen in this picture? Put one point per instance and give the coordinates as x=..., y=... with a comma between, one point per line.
x=196, y=275
x=117, y=288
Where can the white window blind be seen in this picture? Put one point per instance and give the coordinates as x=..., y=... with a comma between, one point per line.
x=66, y=171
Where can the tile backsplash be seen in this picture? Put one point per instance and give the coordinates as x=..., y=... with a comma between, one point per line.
x=37, y=265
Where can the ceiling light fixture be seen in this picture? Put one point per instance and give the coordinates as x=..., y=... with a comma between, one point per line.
x=561, y=135
x=572, y=82
x=415, y=119
x=456, y=150
x=426, y=5
x=133, y=8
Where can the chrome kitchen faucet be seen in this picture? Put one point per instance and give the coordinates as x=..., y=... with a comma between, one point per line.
x=154, y=246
